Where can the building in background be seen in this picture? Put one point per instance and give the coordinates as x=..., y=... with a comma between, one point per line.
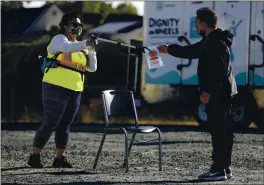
x=122, y=27
x=30, y=22
x=49, y=17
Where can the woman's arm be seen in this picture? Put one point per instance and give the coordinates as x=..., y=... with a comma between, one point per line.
x=60, y=43
x=91, y=58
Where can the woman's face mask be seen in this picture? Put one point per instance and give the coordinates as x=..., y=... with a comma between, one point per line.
x=76, y=31
x=75, y=27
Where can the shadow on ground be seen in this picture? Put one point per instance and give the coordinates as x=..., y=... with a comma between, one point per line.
x=107, y=182
x=79, y=172
x=83, y=172
x=99, y=128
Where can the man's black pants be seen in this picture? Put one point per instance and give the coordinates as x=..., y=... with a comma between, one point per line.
x=221, y=130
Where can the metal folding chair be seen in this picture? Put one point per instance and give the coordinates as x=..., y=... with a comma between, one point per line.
x=122, y=103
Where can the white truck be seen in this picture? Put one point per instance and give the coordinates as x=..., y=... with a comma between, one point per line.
x=174, y=22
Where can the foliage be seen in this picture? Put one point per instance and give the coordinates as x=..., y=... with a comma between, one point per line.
x=81, y=6
x=14, y=53
x=43, y=40
x=97, y=7
x=106, y=8
x=126, y=8
x=21, y=75
x=7, y=5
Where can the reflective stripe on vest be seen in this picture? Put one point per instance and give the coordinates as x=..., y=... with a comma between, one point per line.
x=66, y=61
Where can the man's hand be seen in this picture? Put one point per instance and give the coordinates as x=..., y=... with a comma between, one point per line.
x=163, y=48
x=205, y=97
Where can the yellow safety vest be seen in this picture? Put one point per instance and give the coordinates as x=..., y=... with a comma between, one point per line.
x=64, y=77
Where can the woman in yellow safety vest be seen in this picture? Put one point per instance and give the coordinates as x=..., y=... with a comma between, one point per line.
x=62, y=87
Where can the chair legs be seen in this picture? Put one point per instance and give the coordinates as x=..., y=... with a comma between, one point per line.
x=160, y=150
x=126, y=148
x=131, y=142
x=160, y=147
x=99, y=150
x=130, y=146
x=101, y=146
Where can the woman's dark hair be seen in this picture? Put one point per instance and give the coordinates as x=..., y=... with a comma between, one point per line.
x=208, y=16
x=66, y=18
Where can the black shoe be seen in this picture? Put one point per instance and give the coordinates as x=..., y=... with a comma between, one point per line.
x=213, y=176
x=228, y=173
x=34, y=161
x=61, y=163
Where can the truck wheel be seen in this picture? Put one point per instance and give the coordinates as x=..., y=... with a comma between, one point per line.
x=201, y=114
x=240, y=114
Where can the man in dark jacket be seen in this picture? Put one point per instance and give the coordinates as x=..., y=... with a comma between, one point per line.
x=217, y=86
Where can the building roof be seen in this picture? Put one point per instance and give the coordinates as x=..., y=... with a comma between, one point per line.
x=112, y=27
x=122, y=17
x=16, y=21
x=118, y=23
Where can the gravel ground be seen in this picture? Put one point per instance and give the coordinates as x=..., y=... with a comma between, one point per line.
x=185, y=156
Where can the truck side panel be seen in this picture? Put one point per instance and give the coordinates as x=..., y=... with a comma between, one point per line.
x=235, y=17
x=163, y=25
x=256, y=76
x=189, y=73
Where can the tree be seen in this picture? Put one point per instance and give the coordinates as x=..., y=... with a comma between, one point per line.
x=105, y=9
x=91, y=6
x=126, y=8
x=7, y=5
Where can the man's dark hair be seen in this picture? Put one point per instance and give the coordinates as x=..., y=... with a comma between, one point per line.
x=208, y=16
x=66, y=18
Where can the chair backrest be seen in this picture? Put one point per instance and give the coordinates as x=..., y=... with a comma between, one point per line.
x=119, y=103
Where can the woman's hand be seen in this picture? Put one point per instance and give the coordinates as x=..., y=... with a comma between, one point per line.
x=92, y=41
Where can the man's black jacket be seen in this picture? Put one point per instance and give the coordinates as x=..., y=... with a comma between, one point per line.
x=214, y=71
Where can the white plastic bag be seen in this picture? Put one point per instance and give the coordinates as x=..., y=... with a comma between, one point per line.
x=153, y=58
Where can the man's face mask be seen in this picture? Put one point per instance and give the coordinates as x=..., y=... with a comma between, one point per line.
x=76, y=29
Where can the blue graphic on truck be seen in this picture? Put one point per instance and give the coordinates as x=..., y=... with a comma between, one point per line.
x=193, y=31
x=232, y=23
